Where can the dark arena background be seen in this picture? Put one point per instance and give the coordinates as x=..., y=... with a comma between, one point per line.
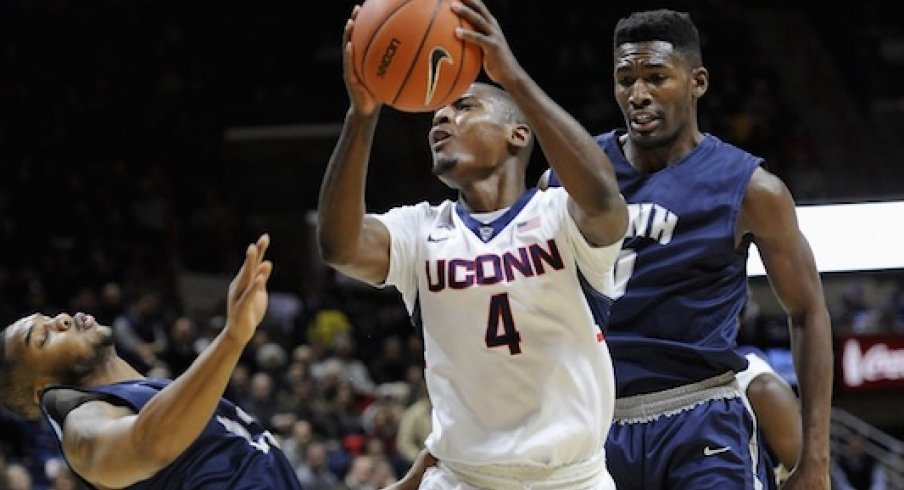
x=144, y=143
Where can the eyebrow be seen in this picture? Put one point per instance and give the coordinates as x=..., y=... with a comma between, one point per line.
x=28, y=334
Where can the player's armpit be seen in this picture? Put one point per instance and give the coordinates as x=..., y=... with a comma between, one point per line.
x=99, y=445
x=412, y=479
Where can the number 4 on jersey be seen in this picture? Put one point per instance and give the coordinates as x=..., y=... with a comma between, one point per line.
x=501, y=313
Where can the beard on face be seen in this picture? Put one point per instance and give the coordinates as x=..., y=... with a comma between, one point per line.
x=443, y=165
x=651, y=143
x=73, y=372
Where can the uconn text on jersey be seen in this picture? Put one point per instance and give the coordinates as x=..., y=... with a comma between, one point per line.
x=487, y=269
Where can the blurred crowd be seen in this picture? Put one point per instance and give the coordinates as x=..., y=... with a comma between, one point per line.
x=111, y=154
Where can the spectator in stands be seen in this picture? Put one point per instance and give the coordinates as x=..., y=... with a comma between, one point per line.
x=17, y=477
x=140, y=331
x=414, y=425
x=854, y=315
x=295, y=445
x=180, y=348
x=391, y=364
x=352, y=368
x=262, y=400
x=895, y=310
x=314, y=473
x=855, y=469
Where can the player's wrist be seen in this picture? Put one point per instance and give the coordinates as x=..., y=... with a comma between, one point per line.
x=233, y=337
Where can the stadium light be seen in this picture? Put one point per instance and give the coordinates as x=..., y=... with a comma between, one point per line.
x=849, y=237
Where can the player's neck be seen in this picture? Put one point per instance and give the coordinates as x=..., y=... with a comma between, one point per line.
x=114, y=370
x=651, y=159
x=491, y=194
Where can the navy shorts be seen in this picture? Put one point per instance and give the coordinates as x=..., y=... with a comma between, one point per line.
x=705, y=445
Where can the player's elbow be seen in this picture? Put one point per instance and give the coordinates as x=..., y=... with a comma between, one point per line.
x=334, y=250
x=335, y=255
x=614, y=213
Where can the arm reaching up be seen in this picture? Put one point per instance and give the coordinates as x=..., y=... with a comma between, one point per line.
x=584, y=170
x=113, y=447
x=349, y=240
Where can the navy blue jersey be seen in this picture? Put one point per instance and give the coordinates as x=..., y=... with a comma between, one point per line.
x=681, y=279
x=233, y=452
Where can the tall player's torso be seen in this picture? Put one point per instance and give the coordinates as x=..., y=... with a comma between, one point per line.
x=680, y=278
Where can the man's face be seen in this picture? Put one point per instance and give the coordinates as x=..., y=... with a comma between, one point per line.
x=656, y=91
x=63, y=349
x=468, y=138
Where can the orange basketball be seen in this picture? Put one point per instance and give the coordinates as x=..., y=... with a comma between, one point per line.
x=407, y=55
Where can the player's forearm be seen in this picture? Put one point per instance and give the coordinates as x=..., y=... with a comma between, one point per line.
x=341, y=207
x=580, y=164
x=811, y=341
x=174, y=418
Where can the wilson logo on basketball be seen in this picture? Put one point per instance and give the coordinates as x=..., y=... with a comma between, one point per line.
x=438, y=55
x=387, y=57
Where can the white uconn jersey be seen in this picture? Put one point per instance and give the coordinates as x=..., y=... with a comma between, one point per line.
x=516, y=364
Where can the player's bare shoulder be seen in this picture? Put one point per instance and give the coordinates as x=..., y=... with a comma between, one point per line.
x=767, y=198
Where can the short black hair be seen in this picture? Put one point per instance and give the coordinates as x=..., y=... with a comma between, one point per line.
x=666, y=25
x=16, y=394
x=508, y=110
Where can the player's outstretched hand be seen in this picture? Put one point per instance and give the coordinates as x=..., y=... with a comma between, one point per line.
x=499, y=62
x=363, y=102
x=247, y=299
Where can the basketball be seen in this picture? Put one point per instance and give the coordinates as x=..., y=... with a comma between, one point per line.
x=406, y=53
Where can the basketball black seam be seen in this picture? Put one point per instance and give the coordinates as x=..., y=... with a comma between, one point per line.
x=461, y=63
x=417, y=53
x=373, y=35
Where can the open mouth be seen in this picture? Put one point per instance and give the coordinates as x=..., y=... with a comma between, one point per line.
x=644, y=121
x=438, y=136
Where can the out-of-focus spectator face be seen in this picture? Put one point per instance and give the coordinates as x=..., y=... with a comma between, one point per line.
x=261, y=386
x=316, y=456
x=240, y=378
x=302, y=432
x=362, y=470
x=383, y=475
x=182, y=330
x=17, y=478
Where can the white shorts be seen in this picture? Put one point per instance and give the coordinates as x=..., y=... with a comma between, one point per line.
x=587, y=475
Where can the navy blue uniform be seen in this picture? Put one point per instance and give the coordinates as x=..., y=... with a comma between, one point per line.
x=681, y=283
x=233, y=452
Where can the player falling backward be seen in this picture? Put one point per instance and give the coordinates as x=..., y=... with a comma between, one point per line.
x=508, y=284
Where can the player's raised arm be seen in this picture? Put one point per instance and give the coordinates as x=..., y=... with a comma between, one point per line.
x=113, y=447
x=349, y=240
x=582, y=167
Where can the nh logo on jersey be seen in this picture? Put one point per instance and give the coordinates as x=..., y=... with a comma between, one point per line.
x=527, y=261
x=650, y=220
x=438, y=55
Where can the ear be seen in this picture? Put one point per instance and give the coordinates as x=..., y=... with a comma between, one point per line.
x=519, y=135
x=700, y=81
